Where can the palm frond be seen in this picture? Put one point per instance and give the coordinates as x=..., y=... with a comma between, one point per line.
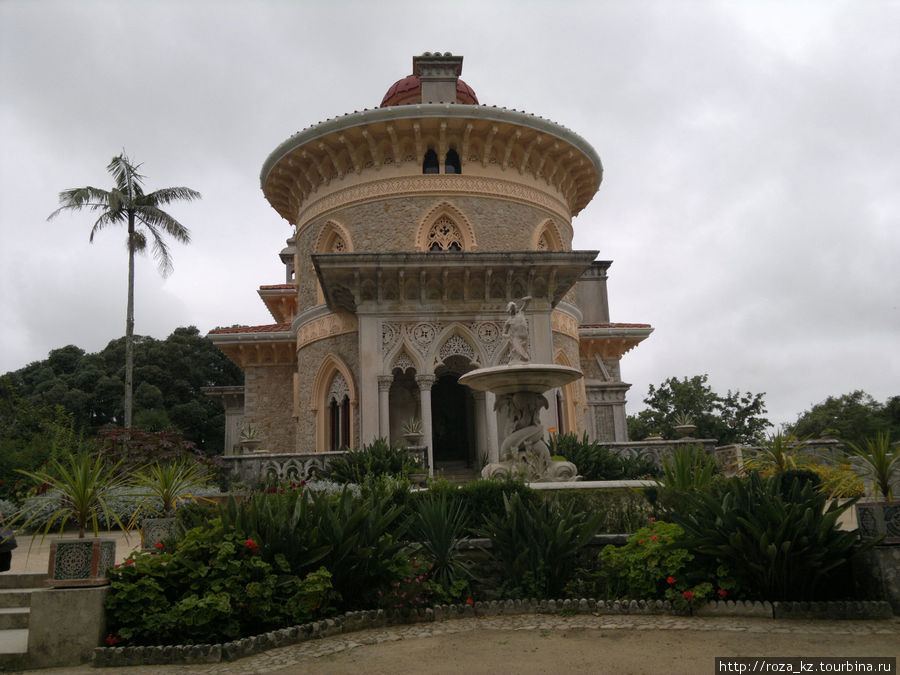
x=167, y=195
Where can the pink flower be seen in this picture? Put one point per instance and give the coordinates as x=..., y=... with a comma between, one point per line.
x=670, y=580
x=722, y=592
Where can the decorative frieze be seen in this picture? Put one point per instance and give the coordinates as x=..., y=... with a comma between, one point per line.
x=326, y=326
x=564, y=323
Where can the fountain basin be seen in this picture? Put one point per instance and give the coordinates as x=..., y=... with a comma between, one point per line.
x=520, y=377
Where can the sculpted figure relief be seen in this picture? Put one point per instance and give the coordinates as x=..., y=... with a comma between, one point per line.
x=516, y=329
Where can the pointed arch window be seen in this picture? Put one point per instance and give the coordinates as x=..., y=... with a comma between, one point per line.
x=339, y=413
x=451, y=162
x=431, y=163
x=444, y=236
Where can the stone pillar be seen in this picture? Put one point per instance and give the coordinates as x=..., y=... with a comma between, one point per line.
x=369, y=367
x=425, y=383
x=384, y=403
x=65, y=625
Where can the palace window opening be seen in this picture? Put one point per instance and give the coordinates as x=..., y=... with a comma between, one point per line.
x=444, y=236
x=431, y=163
x=451, y=162
x=339, y=413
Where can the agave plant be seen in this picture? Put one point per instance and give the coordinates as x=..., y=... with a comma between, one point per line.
x=84, y=483
x=438, y=524
x=171, y=484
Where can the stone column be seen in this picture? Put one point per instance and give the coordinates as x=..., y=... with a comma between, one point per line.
x=425, y=383
x=384, y=402
x=369, y=367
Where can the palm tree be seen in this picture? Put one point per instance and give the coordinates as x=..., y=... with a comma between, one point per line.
x=127, y=204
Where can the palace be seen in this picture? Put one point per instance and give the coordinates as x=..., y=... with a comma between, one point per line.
x=414, y=225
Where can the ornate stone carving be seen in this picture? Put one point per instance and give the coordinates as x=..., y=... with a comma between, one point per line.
x=325, y=326
x=339, y=389
x=456, y=345
x=403, y=362
x=411, y=185
x=564, y=323
x=444, y=236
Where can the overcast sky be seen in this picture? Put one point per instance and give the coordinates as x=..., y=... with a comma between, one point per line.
x=750, y=201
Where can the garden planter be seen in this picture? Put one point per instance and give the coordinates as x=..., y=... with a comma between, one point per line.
x=418, y=478
x=413, y=440
x=879, y=518
x=250, y=444
x=80, y=562
x=155, y=531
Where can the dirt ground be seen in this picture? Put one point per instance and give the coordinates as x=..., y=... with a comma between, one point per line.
x=542, y=644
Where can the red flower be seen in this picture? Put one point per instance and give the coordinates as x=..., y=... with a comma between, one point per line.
x=652, y=519
x=111, y=639
x=252, y=545
x=129, y=562
x=469, y=601
x=654, y=538
x=689, y=595
x=670, y=580
x=158, y=544
x=640, y=541
x=722, y=592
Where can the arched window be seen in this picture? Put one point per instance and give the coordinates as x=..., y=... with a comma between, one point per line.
x=339, y=413
x=431, y=164
x=444, y=236
x=451, y=163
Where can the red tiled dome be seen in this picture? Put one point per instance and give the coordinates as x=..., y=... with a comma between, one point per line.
x=408, y=90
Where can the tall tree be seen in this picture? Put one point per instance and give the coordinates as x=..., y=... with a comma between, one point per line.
x=127, y=204
x=852, y=417
x=733, y=418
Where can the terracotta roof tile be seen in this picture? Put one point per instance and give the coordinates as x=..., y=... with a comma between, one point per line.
x=270, y=328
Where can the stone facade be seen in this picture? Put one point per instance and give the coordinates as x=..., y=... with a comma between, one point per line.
x=414, y=226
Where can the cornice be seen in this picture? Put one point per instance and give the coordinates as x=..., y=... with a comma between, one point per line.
x=374, y=139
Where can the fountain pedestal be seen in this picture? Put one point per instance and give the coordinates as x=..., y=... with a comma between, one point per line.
x=519, y=389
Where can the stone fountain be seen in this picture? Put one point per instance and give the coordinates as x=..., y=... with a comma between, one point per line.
x=519, y=388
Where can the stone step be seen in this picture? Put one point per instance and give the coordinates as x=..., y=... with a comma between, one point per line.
x=14, y=618
x=35, y=580
x=15, y=597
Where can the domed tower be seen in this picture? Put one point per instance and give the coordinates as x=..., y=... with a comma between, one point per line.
x=414, y=225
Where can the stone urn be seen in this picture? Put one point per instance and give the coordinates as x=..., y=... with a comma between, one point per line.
x=685, y=430
x=78, y=563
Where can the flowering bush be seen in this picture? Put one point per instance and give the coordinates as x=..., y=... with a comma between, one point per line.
x=214, y=587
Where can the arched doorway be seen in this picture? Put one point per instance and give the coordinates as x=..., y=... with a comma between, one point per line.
x=451, y=421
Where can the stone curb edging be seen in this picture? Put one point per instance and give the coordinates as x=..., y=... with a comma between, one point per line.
x=350, y=622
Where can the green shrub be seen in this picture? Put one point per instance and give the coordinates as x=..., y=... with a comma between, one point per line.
x=777, y=547
x=599, y=462
x=538, y=544
x=621, y=511
x=347, y=534
x=437, y=525
x=687, y=472
x=214, y=587
x=480, y=497
x=375, y=459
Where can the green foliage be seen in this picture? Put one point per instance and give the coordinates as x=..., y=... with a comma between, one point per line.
x=347, y=534
x=780, y=452
x=376, y=459
x=169, y=376
x=84, y=483
x=642, y=567
x=777, y=548
x=852, y=417
x=733, y=418
x=878, y=464
x=619, y=511
x=479, y=496
x=437, y=524
x=214, y=587
x=598, y=462
x=538, y=544
x=170, y=484
x=688, y=471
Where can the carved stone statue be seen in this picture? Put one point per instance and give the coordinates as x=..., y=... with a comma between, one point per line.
x=516, y=329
